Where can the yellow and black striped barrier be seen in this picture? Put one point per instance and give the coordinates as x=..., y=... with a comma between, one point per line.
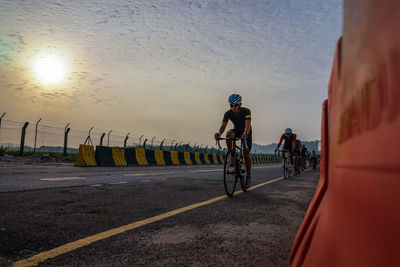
x=107, y=156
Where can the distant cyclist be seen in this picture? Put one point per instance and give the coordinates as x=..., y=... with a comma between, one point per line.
x=241, y=119
x=313, y=159
x=289, y=145
x=304, y=155
x=298, y=149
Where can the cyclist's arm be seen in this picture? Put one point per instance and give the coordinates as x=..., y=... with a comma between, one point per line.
x=247, y=121
x=280, y=142
x=223, y=127
x=247, y=126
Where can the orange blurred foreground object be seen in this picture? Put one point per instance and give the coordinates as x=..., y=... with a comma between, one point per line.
x=354, y=217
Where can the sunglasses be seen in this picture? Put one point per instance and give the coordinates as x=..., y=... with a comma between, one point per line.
x=234, y=105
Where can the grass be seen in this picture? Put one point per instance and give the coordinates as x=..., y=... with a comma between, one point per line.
x=31, y=153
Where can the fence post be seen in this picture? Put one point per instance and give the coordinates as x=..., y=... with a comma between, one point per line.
x=140, y=139
x=101, y=139
x=162, y=143
x=21, y=147
x=89, y=139
x=176, y=145
x=34, y=147
x=144, y=143
x=108, y=138
x=152, y=142
x=126, y=139
x=172, y=143
x=1, y=118
x=187, y=147
x=66, y=140
x=0, y=125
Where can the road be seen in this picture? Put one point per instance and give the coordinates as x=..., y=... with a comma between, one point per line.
x=159, y=216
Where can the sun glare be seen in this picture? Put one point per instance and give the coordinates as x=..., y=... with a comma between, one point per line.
x=50, y=70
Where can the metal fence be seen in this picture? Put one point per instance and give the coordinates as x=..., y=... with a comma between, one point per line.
x=50, y=136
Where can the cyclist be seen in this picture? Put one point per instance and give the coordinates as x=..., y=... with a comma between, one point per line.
x=298, y=149
x=304, y=154
x=313, y=159
x=289, y=145
x=241, y=119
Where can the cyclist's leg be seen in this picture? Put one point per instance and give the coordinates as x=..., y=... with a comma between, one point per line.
x=246, y=154
x=283, y=156
x=229, y=143
x=291, y=159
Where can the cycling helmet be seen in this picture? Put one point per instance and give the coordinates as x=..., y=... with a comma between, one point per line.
x=234, y=99
x=288, y=131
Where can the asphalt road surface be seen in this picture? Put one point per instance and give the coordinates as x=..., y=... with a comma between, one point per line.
x=158, y=216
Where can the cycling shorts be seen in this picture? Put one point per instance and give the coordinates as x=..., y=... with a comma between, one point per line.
x=249, y=140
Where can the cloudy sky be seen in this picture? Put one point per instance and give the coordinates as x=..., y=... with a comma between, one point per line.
x=166, y=68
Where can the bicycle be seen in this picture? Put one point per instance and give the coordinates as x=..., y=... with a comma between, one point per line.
x=297, y=164
x=234, y=159
x=287, y=170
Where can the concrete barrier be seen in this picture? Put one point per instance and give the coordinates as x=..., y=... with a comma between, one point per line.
x=215, y=159
x=118, y=155
x=167, y=158
x=150, y=157
x=104, y=156
x=186, y=156
x=159, y=156
x=130, y=157
x=86, y=157
x=207, y=159
x=141, y=157
x=175, y=157
x=197, y=158
x=222, y=159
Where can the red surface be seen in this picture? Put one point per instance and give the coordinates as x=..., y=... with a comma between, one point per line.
x=354, y=217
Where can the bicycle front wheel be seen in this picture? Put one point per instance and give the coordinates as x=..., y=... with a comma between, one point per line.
x=230, y=177
x=286, y=171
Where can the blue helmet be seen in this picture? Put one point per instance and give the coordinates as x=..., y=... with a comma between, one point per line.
x=288, y=131
x=234, y=99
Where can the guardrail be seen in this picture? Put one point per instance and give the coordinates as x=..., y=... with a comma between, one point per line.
x=88, y=156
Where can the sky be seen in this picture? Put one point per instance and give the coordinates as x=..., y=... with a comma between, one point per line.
x=166, y=68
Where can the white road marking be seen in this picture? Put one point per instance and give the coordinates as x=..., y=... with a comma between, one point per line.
x=124, y=182
x=200, y=171
x=95, y=185
x=151, y=173
x=62, y=179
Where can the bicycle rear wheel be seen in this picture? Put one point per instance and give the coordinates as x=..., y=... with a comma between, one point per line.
x=230, y=177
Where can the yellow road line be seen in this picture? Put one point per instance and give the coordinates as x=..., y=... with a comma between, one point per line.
x=43, y=256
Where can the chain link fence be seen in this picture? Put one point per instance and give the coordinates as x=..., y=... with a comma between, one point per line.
x=51, y=137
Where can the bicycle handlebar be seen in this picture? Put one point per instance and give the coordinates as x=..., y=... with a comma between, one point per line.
x=232, y=139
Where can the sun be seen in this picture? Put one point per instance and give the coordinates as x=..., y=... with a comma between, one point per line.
x=50, y=70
